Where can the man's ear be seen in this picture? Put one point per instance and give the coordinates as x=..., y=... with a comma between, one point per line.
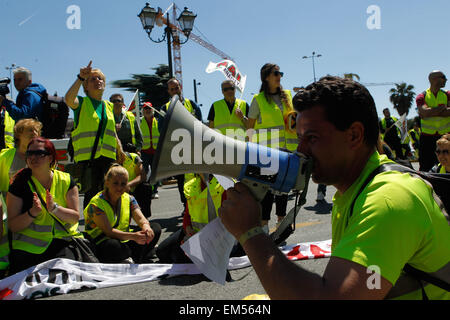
x=355, y=134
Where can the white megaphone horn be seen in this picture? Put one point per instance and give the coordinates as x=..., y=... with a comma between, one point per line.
x=186, y=145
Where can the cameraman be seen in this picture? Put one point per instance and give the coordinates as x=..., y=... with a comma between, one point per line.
x=29, y=102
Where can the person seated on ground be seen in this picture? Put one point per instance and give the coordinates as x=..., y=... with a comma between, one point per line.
x=38, y=196
x=196, y=216
x=108, y=217
x=137, y=185
x=443, y=155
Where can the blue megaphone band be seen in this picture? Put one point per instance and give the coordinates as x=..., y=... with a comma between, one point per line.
x=273, y=167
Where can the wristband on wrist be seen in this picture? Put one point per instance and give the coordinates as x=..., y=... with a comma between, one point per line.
x=55, y=208
x=29, y=213
x=250, y=234
x=80, y=78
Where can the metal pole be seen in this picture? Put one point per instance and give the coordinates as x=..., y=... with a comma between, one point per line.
x=169, y=49
x=314, y=70
x=195, y=91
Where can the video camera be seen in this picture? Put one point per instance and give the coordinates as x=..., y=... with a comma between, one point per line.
x=4, y=90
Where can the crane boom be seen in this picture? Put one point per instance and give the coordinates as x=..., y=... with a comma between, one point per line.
x=176, y=47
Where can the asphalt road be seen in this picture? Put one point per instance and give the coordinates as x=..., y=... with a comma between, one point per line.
x=312, y=224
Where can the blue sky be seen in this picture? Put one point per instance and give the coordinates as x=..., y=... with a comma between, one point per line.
x=410, y=42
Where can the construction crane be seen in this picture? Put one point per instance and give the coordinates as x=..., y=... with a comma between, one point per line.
x=176, y=44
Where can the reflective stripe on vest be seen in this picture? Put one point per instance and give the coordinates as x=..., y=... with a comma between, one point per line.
x=6, y=159
x=146, y=134
x=435, y=125
x=124, y=219
x=271, y=130
x=132, y=118
x=198, y=203
x=83, y=136
x=224, y=120
x=40, y=233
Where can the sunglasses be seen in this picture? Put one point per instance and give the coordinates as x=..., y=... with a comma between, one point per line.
x=278, y=73
x=116, y=100
x=444, y=152
x=38, y=153
x=228, y=89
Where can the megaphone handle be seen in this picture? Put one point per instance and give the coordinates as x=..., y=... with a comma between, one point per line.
x=258, y=190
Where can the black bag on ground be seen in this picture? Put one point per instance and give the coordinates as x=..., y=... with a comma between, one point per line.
x=55, y=113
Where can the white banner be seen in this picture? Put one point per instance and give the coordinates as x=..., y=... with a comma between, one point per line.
x=61, y=276
x=230, y=71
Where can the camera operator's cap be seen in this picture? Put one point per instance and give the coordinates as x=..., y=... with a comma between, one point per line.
x=147, y=105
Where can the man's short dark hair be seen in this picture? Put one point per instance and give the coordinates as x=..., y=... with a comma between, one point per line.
x=345, y=101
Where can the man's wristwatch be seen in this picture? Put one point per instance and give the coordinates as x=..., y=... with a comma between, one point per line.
x=80, y=78
x=55, y=208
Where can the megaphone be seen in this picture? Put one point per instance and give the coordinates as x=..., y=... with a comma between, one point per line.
x=186, y=145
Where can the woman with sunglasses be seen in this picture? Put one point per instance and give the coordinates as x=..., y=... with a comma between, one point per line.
x=108, y=217
x=443, y=155
x=272, y=116
x=93, y=117
x=38, y=196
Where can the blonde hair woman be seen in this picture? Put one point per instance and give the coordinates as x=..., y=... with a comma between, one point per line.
x=93, y=123
x=108, y=217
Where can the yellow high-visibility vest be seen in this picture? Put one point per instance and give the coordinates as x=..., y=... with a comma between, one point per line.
x=39, y=234
x=271, y=130
x=83, y=136
x=146, y=133
x=435, y=125
x=124, y=218
x=198, y=203
x=225, y=121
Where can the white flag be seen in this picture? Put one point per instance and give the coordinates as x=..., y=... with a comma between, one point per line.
x=403, y=127
x=230, y=71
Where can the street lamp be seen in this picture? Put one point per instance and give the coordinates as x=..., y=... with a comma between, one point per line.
x=10, y=76
x=148, y=16
x=312, y=57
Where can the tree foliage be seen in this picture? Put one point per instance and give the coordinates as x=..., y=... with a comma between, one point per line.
x=152, y=87
x=402, y=97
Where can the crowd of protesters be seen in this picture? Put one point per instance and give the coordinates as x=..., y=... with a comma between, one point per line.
x=117, y=149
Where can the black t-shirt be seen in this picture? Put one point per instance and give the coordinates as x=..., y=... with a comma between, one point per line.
x=230, y=106
x=21, y=189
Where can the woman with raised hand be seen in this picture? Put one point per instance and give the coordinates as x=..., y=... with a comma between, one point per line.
x=92, y=116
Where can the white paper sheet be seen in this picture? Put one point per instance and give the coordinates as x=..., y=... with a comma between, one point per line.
x=209, y=249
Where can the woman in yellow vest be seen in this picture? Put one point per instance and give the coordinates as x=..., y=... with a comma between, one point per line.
x=443, y=155
x=92, y=113
x=36, y=236
x=108, y=218
x=272, y=116
x=13, y=159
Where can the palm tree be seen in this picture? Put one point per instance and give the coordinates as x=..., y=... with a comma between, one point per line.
x=402, y=97
x=152, y=87
x=352, y=76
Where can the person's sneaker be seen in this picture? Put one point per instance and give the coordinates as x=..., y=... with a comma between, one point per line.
x=320, y=196
x=155, y=196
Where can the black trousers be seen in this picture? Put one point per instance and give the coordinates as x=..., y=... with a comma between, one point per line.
x=280, y=205
x=101, y=165
x=20, y=260
x=427, y=155
x=114, y=251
